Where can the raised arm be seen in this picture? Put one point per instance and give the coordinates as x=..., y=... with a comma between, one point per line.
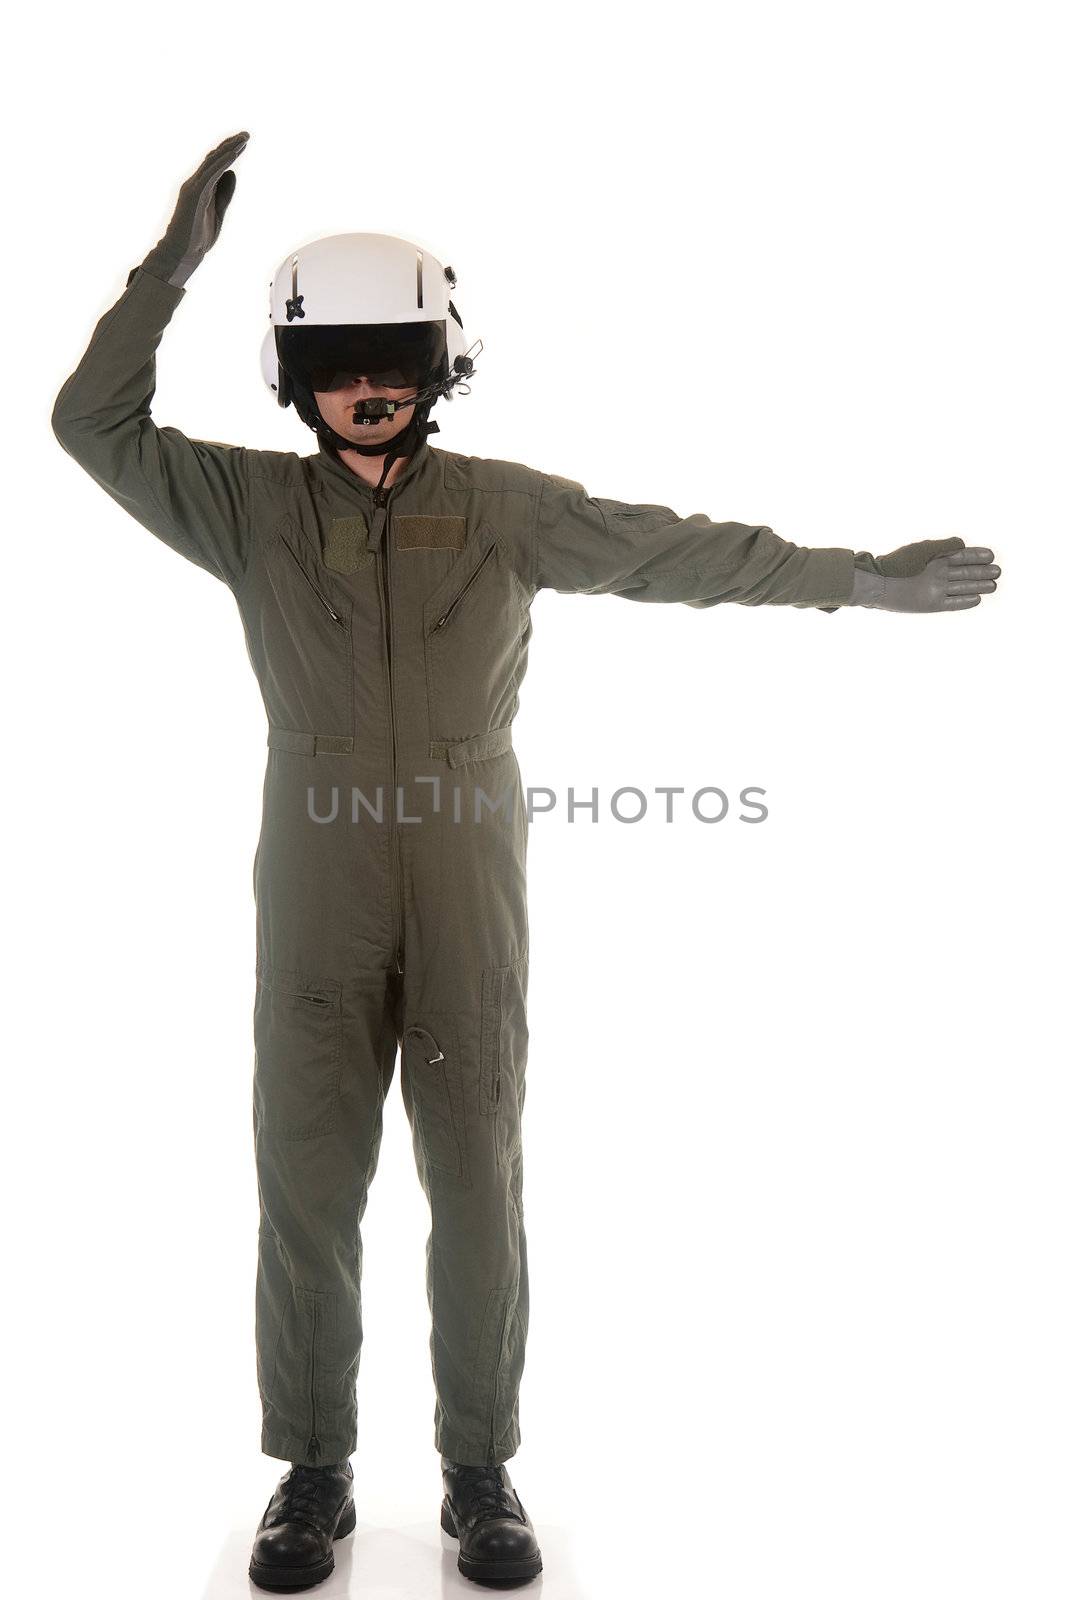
x=191, y=493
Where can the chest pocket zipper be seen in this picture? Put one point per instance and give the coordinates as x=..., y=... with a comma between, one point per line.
x=316, y=591
x=465, y=589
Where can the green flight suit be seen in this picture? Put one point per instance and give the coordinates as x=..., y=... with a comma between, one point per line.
x=390, y=642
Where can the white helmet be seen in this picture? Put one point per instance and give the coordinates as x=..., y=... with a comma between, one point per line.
x=361, y=298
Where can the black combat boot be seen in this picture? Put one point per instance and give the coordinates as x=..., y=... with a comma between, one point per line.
x=310, y=1508
x=497, y=1543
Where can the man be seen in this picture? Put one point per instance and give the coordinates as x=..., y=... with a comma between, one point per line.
x=386, y=610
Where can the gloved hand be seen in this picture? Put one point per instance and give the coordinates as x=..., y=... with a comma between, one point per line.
x=916, y=577
x=194, y=227
x=930, y=575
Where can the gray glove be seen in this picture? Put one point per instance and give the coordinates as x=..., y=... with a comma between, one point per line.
x=930, y=575
x=194, y=227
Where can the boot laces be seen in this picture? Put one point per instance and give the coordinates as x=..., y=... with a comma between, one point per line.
x=488, y=1492
x=300, y=1498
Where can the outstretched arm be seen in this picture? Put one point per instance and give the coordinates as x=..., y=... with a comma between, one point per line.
x=587, y=545
x=191, y=493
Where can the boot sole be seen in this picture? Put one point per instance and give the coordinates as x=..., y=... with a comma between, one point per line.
x=495, y=1574
x=286, y=1579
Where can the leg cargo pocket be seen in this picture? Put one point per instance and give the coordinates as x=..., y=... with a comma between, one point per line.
x=434, y=1069
x=298, y=1026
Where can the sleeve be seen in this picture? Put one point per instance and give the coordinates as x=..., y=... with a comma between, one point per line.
x=647, y=552
x=191, y=493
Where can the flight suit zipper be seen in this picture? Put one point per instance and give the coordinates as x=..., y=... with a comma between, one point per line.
x=312, y=585
x=465, y=589
x=314, y=1448
x=505, y=1323
x=382, y=505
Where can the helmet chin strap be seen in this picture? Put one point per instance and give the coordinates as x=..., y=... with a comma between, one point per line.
x=406, y=442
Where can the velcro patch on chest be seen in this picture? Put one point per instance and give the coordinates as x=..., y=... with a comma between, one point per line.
x=430, y=533
x=346, y=544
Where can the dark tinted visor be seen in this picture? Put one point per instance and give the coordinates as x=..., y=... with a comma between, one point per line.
x=394, y=355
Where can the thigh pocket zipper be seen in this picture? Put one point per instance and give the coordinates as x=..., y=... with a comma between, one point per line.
x=504, y=1041
x=493, y=981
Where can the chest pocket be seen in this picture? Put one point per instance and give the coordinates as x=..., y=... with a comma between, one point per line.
x=471, y=625
x=299, y=627
x=296, y=568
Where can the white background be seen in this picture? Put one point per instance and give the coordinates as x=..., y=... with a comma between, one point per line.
x=795, y=1115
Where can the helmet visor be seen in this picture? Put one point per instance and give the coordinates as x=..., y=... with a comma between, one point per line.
x=391, y=355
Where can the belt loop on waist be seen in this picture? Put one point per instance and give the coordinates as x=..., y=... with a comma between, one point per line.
x=297, y=743
x=461, y=752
